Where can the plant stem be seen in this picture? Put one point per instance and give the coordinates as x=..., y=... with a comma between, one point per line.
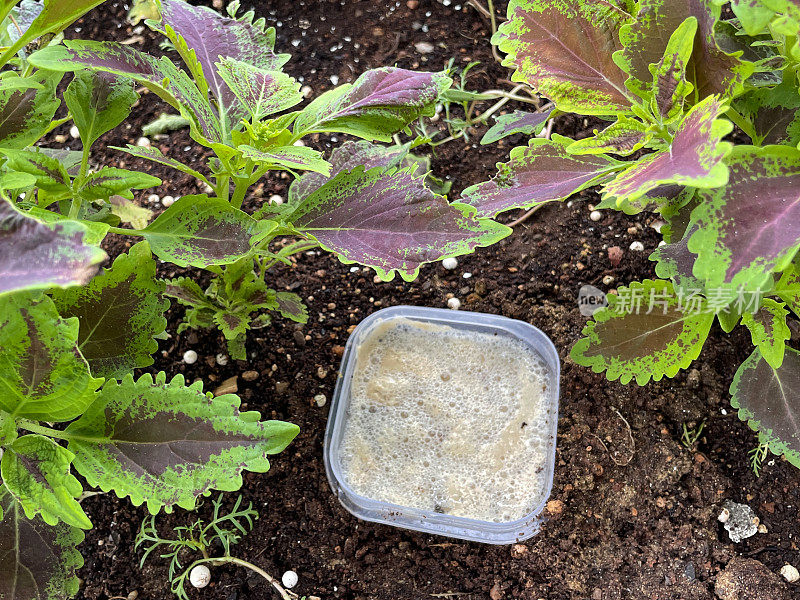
x=35, y=428
x=123, y=231
x=75, y=208
x=744, y=125
x=241, y=185
x=243, y=563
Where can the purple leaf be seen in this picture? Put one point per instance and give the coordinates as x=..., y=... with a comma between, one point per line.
x=377, y=105
x=769, y=400
x=541, y=172
x=291, y=307
x=750, y=227
x=35, y=256
x=517, y=122
x=565, y=51
x=212, y=36
x=694, y=158
x=386, y=218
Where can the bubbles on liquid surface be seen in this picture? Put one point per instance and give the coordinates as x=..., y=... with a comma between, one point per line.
x=447, y=421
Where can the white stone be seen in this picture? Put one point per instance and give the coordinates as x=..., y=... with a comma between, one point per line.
x=790, y=573
x=289, y=579
x=335, y=79
x=467, y=275
x=200, y=576
x=608, y=280
x=143, y=142
x=306, y=91
x=167, y=201
x=354, y=269
x=74, y=133
x=320, y=399
x=276, y=199
x=222, y=359
x=190, y=357
x=153, y=198
x=637, y=246
x=454, y=303
x=450, y=263
x=424, y=47
x=595, y=215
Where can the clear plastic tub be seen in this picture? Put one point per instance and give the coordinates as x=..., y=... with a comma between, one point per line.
x=431, y=521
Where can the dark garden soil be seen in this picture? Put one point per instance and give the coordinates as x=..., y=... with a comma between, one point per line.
x=633, y=513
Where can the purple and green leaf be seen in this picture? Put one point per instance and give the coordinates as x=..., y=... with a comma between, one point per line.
x=752, y=15
x=291, y=307
x=670, y=86
x=377, y=105
x=36, y=471
x=541, y=172
x=43, y=375
x=564, y=51
x=751, y=227
x=35, y=256
x=199, y=231
x=27, y=106
x=98, y=102
x=154, y=154
x=694, y=158
x=110, y=181
x=769, y=400
x=517, y=122
x=168, y=444
x=774, y=113
x=120, y=312
x=261, y=92
x=50, y=174
x=645, y=333
x=37, y=561
x=769, y=331
x=386, y=219
x=623, y=137
x=299, y=158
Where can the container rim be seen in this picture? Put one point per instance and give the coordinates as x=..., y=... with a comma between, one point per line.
x=427, y=521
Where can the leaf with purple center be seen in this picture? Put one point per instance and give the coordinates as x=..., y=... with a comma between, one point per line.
x=27, y=106
x=751, y=227
x=694, y=158
x=769, y=331
x=767, y=398
x=543, y=171
x=623, y=137
x=383, y=217
x=260, y=91
x=168, y=444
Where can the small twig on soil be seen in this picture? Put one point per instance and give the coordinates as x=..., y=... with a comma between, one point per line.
x=488, y=13
x=526, y=216
x=285, y=594
x=449, y=594
x=619, y=463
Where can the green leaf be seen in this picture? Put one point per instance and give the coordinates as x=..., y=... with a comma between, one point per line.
x=36, y=471
x=168, y=444
x=8, y=433
x=695, y=157
x=94, y=231
x=262, y=92
x=647, y=331
x=154, y=154
x=50, y=174
x=788, y=288
x=27, y=106
x=120, y=312
x=98, y=102
x=769, y=331
x=42, y=373
x=199, y=231
x=516, y=122
x=291, y=307
x=110, y=181
x=623, y=137
x=752, y=14
x=564, y=50
x=130, y=212
x=290, y=157
x=767, y=398
x=37, y=561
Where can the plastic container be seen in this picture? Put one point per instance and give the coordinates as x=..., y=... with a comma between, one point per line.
x=429, y=521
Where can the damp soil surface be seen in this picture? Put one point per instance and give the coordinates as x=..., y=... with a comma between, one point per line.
x=633, y=512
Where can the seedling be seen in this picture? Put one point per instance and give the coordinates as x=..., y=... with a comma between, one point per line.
x=672, y=79
x=225, y=529
x=690, y=436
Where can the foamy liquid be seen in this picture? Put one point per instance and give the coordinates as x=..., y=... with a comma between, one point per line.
x=447, y=421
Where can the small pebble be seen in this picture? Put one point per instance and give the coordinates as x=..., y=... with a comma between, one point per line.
x=637, y=246
x=724, y=516
x=250, y=375
x=467, y=275
x=143, y=142
x=289, y=579
x=322, y=373
x=449, y=263
x=454, y=303
x=306, y=91
x=207, y=188
x=200, y=576
x=595, y=215
x=657, y=225
x=276, y=199
x=608, y=280
x=320, y=400
x=222, y=359
x=74, y=132
x=167, y=201
x=412, y=4
x=790, y=573
x=60, y=138
x=424, y=47
x=354, y=269
x=335, y=79
x=153, y=198
x=190, y=357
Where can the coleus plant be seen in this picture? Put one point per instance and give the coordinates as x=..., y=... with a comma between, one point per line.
x=672, y=79
x=366, y=203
